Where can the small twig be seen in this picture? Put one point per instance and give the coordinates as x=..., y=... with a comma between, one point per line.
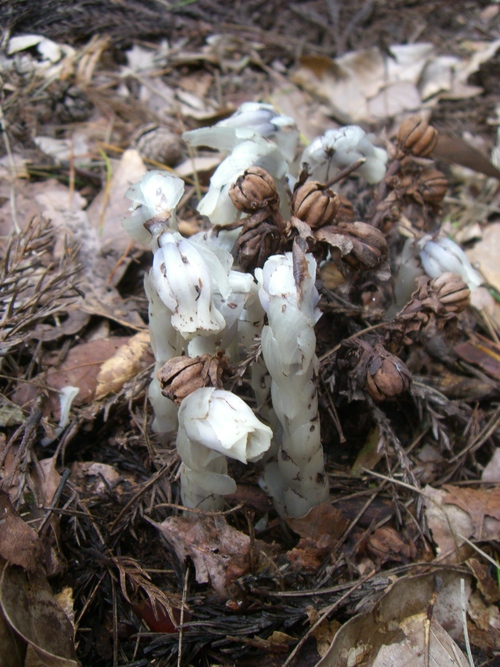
x=195, y=510
x=181, y=618
x=464, y=620
x=428, y=621
x=344, y=173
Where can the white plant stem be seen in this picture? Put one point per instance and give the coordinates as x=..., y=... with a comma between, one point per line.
x=297, y=479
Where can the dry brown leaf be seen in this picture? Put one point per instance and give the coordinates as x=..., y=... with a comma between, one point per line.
x=32, y=611
x=480, y=504
x=110, y=206
x=19, y=543
x=130, y=359
x=456, y=150
x=219, y=552
x=386, y=544
x=485, y=254
x=12, y=647
x=320, y=530
x=454, y=513
x=487, y=584
x=392, y=633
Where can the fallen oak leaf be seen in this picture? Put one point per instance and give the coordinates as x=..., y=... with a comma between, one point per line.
x=220, y=553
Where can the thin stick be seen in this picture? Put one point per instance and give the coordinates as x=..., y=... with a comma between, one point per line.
x=464, y=620
x=181, y=619
x=344, y=173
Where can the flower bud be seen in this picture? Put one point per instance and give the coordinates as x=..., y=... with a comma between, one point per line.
x=432, y=186
x=445, y=256
x=253, y=190
x=222, y=422
x=180, y=376
x=315, y=204
x=416, y=136
x=386, y=375
x=452, y=292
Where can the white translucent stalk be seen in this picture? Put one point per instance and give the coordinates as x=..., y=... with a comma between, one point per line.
x=215, y=424
x=166, y=343
x=297, y=480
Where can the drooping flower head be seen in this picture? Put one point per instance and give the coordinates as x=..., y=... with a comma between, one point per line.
x=342, y=147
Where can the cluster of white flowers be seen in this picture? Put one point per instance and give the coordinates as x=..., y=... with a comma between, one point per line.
x=199, y=304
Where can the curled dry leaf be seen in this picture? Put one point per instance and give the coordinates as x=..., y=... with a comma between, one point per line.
x=31, y=609
x=219, y=552
x=392, y=633
x=81, y=369
x=129, y=360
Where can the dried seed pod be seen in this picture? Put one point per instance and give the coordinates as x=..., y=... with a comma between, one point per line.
x=253, y=190
x=432, y=186
x=346, y=210
x=259, y=239
x=314, y=204
x=386, y=375
x=369, y=244
x=159, y=144
x=180, y=376
x=416, y=136
x=452, y=292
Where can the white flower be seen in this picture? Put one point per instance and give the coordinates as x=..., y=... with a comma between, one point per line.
x=444, y=255
x=155, y=198
x=219, y=421
x=277, y=279
x=248, y=149
x=264, y=119
x=183, y=279
x=339, y=148
x=250, y=120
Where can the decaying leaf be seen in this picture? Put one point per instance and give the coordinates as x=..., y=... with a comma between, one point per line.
x=454, y=513
x=12, y=647
x=219, y=552
x=80, y=369
x=31, y=609
x=129, y=360
x=392, y=633
x=19, y=543
x=320, y=531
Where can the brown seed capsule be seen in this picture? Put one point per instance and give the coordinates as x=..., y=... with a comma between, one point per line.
x=417, y=136
x=452, y=292
x=386, y=375
x=180, y=376
x=314, y=204
x=369, y=244
x=346, y=211
x=432, y=186
x=253, y=190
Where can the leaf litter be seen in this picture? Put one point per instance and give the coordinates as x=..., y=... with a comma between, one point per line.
x=91, y=503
